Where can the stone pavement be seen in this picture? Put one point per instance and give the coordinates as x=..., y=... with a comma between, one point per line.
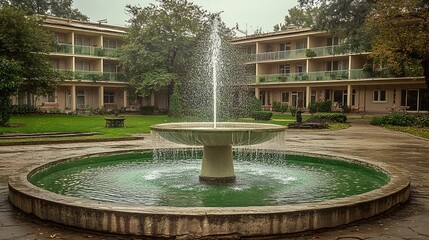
x=410, y=221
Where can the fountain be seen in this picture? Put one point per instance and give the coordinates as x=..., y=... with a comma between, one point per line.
x=267, y=193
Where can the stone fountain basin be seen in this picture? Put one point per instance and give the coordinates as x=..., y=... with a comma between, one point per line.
x=225, y=133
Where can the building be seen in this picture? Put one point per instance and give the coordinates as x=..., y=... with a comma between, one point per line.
x=85, y=53
x=301, y=66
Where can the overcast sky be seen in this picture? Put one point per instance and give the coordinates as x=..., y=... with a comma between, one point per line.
x=254, y=14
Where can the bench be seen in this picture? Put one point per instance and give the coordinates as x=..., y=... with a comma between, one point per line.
x=115, y=122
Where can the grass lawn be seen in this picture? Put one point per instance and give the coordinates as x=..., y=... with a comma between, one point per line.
x=134, y=124
x=420, y=132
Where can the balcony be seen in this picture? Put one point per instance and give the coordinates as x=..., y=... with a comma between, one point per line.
x=321, y=76
x=326, y=51
x=279, y=55
x=93, y=75
x=63, y=48
x=295, y=54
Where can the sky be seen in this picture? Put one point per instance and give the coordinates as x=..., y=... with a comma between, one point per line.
x=249, y=14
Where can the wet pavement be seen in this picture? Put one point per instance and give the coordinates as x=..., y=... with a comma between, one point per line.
x=361, y=140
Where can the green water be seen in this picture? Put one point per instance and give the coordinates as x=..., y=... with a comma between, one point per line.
x=138, y=179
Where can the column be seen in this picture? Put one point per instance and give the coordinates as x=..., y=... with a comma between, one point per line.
x=257, y=93
x=125, y=98
x=152, y=99
x=101, y=96
x=349, y=95
x=307, y=96
x=73, y=98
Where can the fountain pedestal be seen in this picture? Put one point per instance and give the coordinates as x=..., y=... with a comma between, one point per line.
x=217, y=165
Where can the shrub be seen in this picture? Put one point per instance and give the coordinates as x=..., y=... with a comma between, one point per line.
x=254, y=105
x=394, y=119
x=262, y=115
x=422, y=120
x=328, y=117
x=402, y=119
x=280, y=107
x=293, y=110
x=147, y=110
x=324, y=106
x=23, y=109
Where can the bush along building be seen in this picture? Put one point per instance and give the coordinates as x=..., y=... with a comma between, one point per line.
x=300, y=67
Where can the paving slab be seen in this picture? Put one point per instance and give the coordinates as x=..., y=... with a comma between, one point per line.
x=411, y=154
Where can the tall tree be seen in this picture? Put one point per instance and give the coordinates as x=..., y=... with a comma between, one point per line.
x=57, y=8
x=24, y=42
x=401, y=36
x=10, y=80
x=160, y=43
x=300, y=17
x=395, y=31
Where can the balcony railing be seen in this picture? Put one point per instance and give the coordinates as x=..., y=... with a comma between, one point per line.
x=63, y=48
x=289, y=54
x=326, y=51
x=295, y=54
x=85, y=50
x=321, y=76
x=93, y=75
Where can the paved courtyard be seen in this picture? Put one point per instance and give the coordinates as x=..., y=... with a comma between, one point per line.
x=410, y=221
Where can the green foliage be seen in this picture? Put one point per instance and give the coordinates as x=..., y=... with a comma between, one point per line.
x=293, y=110
x=262, y=115
x=62, y=8
x=280, y=107
x=402, y=119
x=24, y=109
x=324, y=106
x=24, y=41
x=300, y=17
x=328, y=118
x=160, y=43
x=176, y=108
x=10, y=80
x=310, y=53
x=394, y=31
x=147, y=110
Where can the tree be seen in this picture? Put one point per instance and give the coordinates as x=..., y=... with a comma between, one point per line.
x=24, y=42
x=160, y=43
x=300, y=17
x=10, y=80
x=395, y=31
x=401, y=36
x=57, y=8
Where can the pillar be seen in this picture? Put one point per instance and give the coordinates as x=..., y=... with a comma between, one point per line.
x=73, y=98
x=307, y=96
x=257, y=93
x=152, y=99
x=349, y=95
x=125, y=98
x=101, y=96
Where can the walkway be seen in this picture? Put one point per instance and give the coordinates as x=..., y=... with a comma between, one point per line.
x=411, y=154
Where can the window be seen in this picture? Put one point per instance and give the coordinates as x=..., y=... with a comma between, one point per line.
x=313, y=96
x=379, y=96
x=301, y=45
x=299, y=68
x=337, y=65
x=82, y=40
x=110, y=43
x=109, y=97
x=108, y=67
x=285, y=96
x=284, y=68
x=268, y=48
x=50, y=98
x=332, y=41
x=83, y=65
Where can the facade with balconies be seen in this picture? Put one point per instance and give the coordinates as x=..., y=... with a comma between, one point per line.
x=86, y=55
x=302, y=66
